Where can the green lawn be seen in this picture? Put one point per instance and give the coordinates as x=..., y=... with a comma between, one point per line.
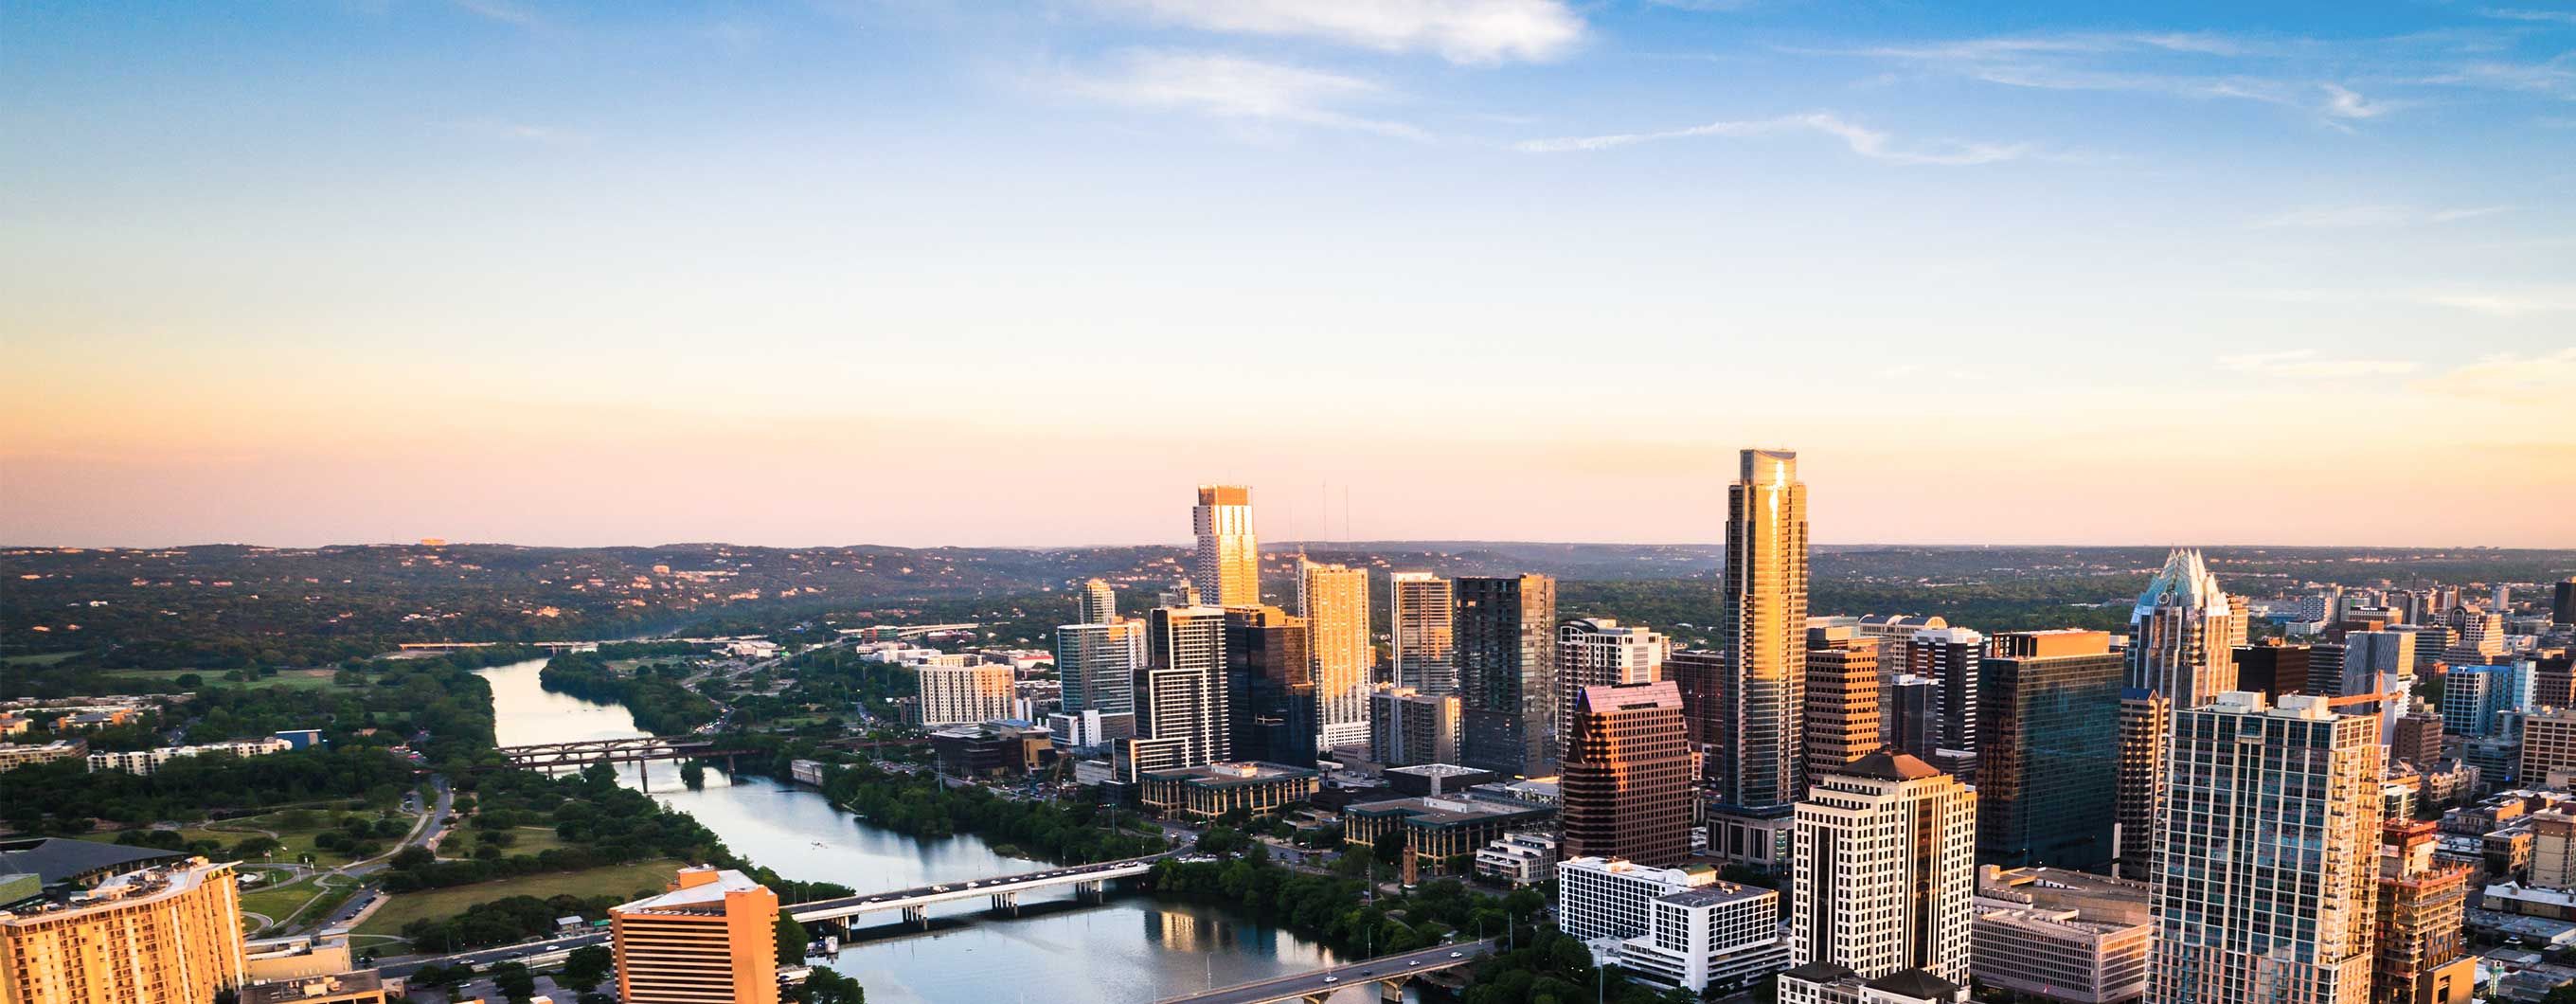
x=39, y=659
x=618, y=880
x=290, y=679
x=278, y=903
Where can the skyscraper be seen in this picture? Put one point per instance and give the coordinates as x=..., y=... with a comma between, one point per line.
x=1227, y=568
x=1700, y=674
x=162, y=935
x=1270, y=679
x=1762, y=623
x=1627, y=775
x=1409, y=728
x=2273, y=668
x=1099, y=603
x=1184, y=713
x=2267, y=857
x=2048, y=750
x=1599, y=652
x=965, y=695
x=1842, y=697
x=711, y=936
x=2181, y=654
x=1949, y=657
x=1420, y=607
x=1097, y=663
x=1886, y=869
x=1504, y=634
x=1335, y=602
x=2371, y=657
x=2562, y=603
x=2421, y=934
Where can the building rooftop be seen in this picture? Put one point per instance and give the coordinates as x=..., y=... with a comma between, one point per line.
x=1234, y=772
x=698, y=888
x=1445, y=811
x=1887, y=766
x=1917, y=984
x=57, y=860
x=288, y=991
x=1714, y=895
x=1437, y=770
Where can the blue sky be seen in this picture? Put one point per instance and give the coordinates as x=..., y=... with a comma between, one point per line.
x=272, y=258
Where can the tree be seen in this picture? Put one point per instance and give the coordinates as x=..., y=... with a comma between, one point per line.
x=829, y=987
x=791, y=940
x=587, y=967
x=1389, y=847
x=514, y=981
x=410, y=857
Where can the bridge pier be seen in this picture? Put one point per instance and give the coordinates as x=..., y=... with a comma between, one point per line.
x=917, y=915
x=1391, y=989
x=1087, y=892
x=1007, y=901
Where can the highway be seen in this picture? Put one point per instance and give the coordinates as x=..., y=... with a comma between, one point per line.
x=919, y=896
x=1325, y=981
x=505, y=953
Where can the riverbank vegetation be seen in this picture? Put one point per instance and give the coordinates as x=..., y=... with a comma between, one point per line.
x=652, y=693
x=1066, y=832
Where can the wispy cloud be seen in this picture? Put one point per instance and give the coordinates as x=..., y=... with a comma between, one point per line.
x=2508, y=375
x=2494, y=301
x=1862, y=140
x=525, y=132
x=2522, y=14
x=2306, y=363
x=1460, y=31
x=2196, y=65
x=503, y=11
x=2338, y=217
x=1233, y=87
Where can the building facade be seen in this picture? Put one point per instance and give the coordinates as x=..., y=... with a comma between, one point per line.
x=1408, y=728
x=1420, y=606
x=1762, y=622
x=1627, y=775
x=1841, y=718
x=1098, y=603
x=1276, y=708
x=163, y=935
x=1601, y=652
x=1097, y=663
x=1212, y=790
x=966, y=695
x=2421, y=929
x=1184, y=712
x=1886, y=869
x=1335, y=602
x=2048, y=750
x=1503, y=633
x=2183, y=634
x=710, y=936
x=1950, y=657
x=1226, y=569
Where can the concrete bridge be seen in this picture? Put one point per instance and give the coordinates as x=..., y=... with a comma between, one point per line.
x=1389, y=972
x=542, y=756
x=1003, y=892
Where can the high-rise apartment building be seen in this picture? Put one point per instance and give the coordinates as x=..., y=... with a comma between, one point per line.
x=1504, y=642
x=1886, y=867
x=2548, y=743
x=2481, y=638
x=2181, y=654
x=1099, y=603
x=2371, y=659
x=1184, y=713
x=2418, y=740
x=1097, y=662
x=1700, y=674
x=2476, y=698
x=1627, y=775
x=1270, y=681
x=966, y=695
x=2267, y=856
x=1949, y=657
x=2421, y=925
x=2273, y=668
x=2048, y=749
x=1842, y=697
x=166, y=935
x=1420, y=606
x=1910, y=713
x=710, y=936
x=1227, y=567
x=1601, y=652
x=1335, y=602
x=2562, y=603
x=1409, y=728
x=1762, y=624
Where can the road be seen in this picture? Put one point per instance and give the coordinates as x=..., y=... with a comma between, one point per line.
x=966, y=889
x=488, y=956
x=1321, y=981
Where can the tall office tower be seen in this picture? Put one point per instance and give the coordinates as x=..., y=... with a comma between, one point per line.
x=2503, y=603
x=711, y=937
x=2048, y=750
x=2432, y=641
x=1886, y=869
x=1627, y=775
x=1184, y=716
x=2273, y=668
x=165, y=935
x=1599, y=652
x=2553, y=681
x=1504, y=636
x=2418, y=740
x=2475, y=699
x=2421, y=921
x=1949, y=657
x=1227, y=568
x=1842, y=697
x=2481, y=639
x=1097, y=663
x=1910, y=715
x=1762, y=622
x=2562, y=604
x=2267, y=857
x=1270, y=686
x=2370, y=657
x=2181, y=654
x=966, y=695
x=1420, y=606
x=2548, y=744
x=1699, y=674
x=1334, y=599
x=1099, y=603
x=1408, y=728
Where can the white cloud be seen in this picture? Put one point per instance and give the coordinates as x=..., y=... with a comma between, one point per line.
x=2305, y=363
x=1232, y=87
x=1461, y=31
x=2517, y=14
x=2337, y=217
x=1862, y=140
x=2198, y=65
x=2343, y=103
x=500, y=10
x=2499, y=302
x=2508, y=375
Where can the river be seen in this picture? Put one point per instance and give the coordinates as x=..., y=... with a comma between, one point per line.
x=1131, y=948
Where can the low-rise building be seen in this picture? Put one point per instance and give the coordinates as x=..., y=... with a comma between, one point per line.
x=364, y=987
x=1214, y=789
x=991, y=749
x=1519, y=858
x=1439, y=830
x=16, y=755
x=1434, y=779
x=806, y=772
x=149, y=762
x=1679, y=927
x=302, y=957
x=1827, y=983
x=2064, y=935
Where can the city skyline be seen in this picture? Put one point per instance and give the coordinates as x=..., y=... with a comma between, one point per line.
x=405, y=270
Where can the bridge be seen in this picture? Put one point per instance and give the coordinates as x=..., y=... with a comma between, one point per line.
x=459, y=646
x=1389, y=972
x=544, y=756
x=1003, y=891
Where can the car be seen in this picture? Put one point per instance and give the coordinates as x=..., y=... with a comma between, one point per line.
x=1413, y=962
x=1456, y=955
x=1332, y=979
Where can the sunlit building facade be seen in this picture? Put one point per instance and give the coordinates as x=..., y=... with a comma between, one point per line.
x=1886, y=869
x=1226, y=569
x=1627, y=775
x=1504, y=642
x=710, y=936
x=1335, y=602
x=166, y=935
x=2183, y=634
x=1420, y=606
x=1601, y=652
x=1762, y=628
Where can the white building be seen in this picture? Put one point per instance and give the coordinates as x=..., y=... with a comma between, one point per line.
x=1599, y=652
x=1826, y=983
x=1519, y=858
x=966, y=695
x=1886, y=869
x=148, y=762
x=1679, y=927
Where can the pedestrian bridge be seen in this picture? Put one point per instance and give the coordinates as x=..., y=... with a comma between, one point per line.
x=1389, y=972
x=1004, y=892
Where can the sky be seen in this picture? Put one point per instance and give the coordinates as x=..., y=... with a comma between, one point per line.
x=993, y=273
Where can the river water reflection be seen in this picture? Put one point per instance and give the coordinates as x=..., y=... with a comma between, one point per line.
x=1128, y=949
